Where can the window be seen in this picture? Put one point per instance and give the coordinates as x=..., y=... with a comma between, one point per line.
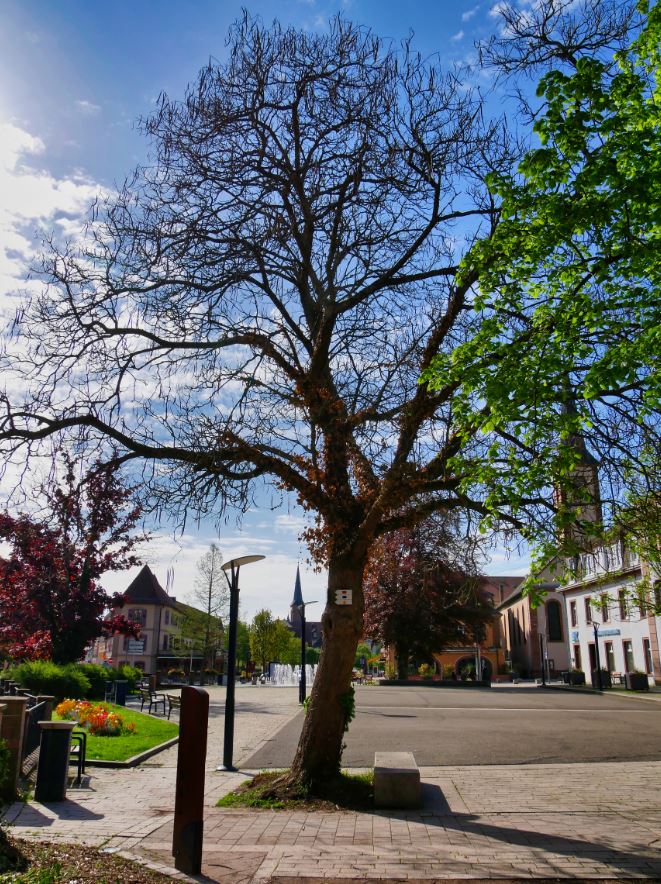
x=603, y=607
x=167, y=617
x=624, y=606
x=610, y=656
x=588, y=610
x=647, y=656
x=629, y=664
x=166, y=638
x=657, y=596
x=642, y=602
x=577, y=657
x=573, y=615
x=554, y=621
x=592, y=651
x=138, y=615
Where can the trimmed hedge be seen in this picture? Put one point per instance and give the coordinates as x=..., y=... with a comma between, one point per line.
x=44, y=677
x=75, y=680
x=99, y=675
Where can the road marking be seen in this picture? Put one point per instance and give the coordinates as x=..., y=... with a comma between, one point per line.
x=394, y=709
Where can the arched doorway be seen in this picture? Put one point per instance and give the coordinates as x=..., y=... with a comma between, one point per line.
x=469, y=664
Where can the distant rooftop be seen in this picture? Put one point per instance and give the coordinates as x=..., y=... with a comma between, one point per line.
x=146, y=590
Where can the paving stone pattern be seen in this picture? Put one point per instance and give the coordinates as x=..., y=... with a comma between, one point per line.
x=580, y=821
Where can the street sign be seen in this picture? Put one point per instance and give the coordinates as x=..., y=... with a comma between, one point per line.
x=343, y=597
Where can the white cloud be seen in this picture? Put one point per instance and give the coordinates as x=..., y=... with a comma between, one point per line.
x=497, y=9
x=31, y=199
x=458, y=36
x=468, y=15
x=88, y=108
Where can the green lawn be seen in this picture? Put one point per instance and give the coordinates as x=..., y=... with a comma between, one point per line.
x=150, y=732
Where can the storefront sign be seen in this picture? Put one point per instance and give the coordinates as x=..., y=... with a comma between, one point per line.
x=136, y=646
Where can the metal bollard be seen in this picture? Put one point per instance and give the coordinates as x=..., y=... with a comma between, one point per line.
x=189, y=796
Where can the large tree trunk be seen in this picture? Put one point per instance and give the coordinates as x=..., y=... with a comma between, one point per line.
x=402, y=663
x=320, y=746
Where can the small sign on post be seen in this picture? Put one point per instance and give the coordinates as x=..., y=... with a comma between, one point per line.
x=343, y=597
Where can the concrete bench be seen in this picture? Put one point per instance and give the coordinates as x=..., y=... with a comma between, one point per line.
x=396, y=780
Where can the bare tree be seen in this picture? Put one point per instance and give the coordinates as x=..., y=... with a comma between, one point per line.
x=211, y=592
x=259, y=302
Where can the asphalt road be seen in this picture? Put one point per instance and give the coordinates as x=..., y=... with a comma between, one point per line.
x=517, y=725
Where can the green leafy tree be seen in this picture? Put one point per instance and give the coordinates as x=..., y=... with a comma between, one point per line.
x=566, y=330
x=242, y=643
x=263, y=638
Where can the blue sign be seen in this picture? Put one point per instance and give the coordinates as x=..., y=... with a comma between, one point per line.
x=604, y=632
x=574, y=635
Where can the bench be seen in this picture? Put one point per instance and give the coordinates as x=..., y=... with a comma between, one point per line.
x=174, y=702
x=78, y=752
x=151, y=699
x=396, y=780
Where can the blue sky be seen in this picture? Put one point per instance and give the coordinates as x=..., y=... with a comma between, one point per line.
x=74, y=78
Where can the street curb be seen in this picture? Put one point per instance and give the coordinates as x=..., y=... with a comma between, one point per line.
x=135, y=760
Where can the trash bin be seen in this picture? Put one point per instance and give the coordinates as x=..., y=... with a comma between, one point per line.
x=121, y=686
x=53, y=770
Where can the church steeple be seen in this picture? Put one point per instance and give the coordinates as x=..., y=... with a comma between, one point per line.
x=298, y=593
x=580, y=490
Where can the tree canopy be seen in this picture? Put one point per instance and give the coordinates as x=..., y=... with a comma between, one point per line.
x=418, y=603
x=51, y=602
x=567, y=318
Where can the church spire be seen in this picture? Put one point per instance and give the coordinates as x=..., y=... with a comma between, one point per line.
x=298, y=593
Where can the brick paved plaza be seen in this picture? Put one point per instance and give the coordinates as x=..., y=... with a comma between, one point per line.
x=583, y=820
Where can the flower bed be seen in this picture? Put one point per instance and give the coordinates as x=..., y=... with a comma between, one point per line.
x=146, y=733
x=97, y=718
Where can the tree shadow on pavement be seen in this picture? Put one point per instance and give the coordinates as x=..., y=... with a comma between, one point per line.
x=437, y=812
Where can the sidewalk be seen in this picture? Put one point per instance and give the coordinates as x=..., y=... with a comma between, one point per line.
x=581, y=821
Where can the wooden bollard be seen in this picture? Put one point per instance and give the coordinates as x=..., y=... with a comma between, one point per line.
x=188, y=832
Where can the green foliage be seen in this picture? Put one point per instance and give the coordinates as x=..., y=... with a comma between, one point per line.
x=98, y=675
x=348, y=704
x=569, y=296
x=44, y=677
x=74, y=680
x=312, y=655
x=362, y=650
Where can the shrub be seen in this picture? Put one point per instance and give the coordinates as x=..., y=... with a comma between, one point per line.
x=97, y=676
x=425, y=670
x=176, y=673
x=44, y=677
x=448, y=670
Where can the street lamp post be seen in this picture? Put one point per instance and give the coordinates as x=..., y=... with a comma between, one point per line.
x=233, y=566
x=595, y=627
x=302, y=686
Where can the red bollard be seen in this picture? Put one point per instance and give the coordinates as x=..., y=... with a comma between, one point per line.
x=189, y=796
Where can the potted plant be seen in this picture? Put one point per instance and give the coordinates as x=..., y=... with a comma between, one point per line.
x=576, y=676
x=425, y=671
x=605, y=678
x=636, y=681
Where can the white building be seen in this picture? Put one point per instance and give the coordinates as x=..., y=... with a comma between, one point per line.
x=608, y=591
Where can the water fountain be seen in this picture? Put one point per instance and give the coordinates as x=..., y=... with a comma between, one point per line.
x=285, y=675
